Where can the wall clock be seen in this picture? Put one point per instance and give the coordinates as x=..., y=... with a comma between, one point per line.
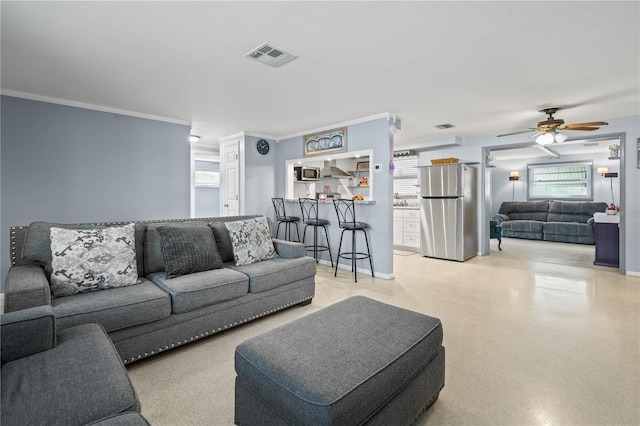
x=262, y=146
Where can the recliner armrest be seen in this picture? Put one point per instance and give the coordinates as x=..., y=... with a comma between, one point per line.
x=27, y=332
x=288, y=249
x=26, y=286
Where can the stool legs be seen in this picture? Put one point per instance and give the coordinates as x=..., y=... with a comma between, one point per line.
x=287, y=230
x=315, y=246
x=353, y=255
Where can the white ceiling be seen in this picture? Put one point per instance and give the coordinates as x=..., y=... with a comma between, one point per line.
x=486, y=67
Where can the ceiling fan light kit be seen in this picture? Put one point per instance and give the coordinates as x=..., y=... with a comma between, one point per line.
x=547, y=131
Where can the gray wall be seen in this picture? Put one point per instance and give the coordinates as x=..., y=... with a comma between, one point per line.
x=67, y=164
x=368, y=135
x=259, y=177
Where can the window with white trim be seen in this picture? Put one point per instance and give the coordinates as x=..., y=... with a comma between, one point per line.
x=560, y=181
x=405, y=176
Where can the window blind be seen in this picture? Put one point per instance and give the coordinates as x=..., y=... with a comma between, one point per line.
x=405, y=176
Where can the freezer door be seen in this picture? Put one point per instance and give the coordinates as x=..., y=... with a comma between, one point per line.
x=442, y=228
x=445, y=180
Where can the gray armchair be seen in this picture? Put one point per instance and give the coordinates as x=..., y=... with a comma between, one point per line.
x=74, y=377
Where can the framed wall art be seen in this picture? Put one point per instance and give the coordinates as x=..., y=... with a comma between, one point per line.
x=325, y=142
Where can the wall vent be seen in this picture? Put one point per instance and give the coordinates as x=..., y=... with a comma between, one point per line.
x=270, y=55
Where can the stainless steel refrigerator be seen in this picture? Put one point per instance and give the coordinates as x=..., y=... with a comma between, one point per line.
x=448, y=211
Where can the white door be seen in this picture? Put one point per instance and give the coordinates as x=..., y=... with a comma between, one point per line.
x=231, y=175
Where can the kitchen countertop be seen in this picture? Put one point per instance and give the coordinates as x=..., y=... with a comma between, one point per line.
x=295, y=200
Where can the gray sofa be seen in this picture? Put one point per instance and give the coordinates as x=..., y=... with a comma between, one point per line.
x=159, y=314
x=566, y=221
x=71, y=377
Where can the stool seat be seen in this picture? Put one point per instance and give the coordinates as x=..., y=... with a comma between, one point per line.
x=288, y=218
x=316, y=222
x=355, y=226
x=356, y=362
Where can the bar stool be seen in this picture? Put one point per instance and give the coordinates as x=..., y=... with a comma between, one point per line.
x=309, y=208
x=345, y=209
x=281, y=217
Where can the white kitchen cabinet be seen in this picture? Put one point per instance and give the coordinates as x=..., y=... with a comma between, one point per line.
x=406, y=229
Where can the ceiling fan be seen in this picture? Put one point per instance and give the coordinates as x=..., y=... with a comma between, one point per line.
x=547, y=131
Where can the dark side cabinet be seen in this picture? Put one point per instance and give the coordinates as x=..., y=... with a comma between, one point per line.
x=607, y=240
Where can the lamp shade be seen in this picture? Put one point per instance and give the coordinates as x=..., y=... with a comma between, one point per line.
x=560, y=137
x=545, y=139
x=514, y=175
x=602, y=170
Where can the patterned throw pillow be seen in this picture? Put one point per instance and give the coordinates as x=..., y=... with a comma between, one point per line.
x=92, y=259
x=251, y=240
x=188, y=249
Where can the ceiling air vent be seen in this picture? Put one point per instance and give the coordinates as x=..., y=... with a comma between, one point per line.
x=270, y=55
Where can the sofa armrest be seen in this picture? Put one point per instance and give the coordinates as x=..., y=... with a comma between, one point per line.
x=26, y=286
x=591, y=221
x=499, y=217
x=27, y=332
x=288, y=249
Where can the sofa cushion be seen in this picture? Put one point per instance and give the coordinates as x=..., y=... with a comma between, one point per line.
x=573, y=211
x=568, y=232
x=188, y=249
x=37, y=245
x=273, y=273
x=525, y=210
x=193, y=291
x=533, y=226
x=153, y=259
x=114, y=308
x=251, y=240
x=92, y=259
x=79, y=381
x=223, y=241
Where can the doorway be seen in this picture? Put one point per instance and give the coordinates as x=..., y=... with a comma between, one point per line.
x=205, y=184
x=513, y=159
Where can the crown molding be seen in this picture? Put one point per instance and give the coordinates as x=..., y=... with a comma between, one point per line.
x=100, y=108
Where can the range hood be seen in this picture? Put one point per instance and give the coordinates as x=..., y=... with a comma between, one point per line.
x=330, y=170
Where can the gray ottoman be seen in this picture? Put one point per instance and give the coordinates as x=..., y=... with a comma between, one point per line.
x=356, y=362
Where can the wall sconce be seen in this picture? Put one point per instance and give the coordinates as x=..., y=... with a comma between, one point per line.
x=604, y=171
x=513, y=177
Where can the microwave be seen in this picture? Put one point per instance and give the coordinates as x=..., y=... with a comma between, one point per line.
x=302, y=173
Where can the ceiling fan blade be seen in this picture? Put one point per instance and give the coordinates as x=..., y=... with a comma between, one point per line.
x=515, y=133
x=590, y=124
x=580, y=128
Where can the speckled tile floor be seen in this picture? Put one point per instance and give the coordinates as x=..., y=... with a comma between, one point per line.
x=528, y=342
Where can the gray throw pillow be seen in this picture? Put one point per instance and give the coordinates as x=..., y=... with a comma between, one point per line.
x=188, y=249
x=223, y=240
x=92, y=259
x=251, y=240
